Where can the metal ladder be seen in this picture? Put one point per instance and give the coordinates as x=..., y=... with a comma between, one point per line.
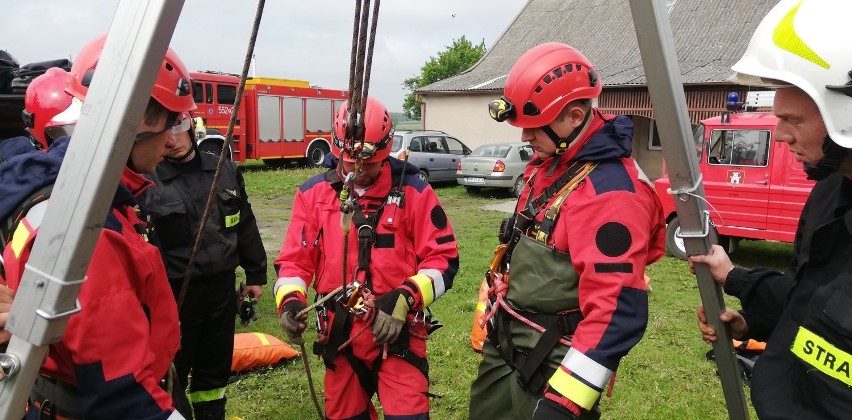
x=138, y=38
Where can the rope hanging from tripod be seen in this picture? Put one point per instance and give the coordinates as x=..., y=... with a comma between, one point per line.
x=225, y=148
x=360, y=63
x=359, y=68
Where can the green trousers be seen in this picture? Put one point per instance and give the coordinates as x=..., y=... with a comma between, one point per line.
x=496, y=393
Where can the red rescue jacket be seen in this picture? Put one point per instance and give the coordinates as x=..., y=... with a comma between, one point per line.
x=118, y=348
x=413, y=239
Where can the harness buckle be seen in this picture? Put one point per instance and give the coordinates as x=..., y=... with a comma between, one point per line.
x=366, y=232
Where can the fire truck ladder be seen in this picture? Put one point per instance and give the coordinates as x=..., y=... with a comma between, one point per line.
x=140, y=33
x=665, y=85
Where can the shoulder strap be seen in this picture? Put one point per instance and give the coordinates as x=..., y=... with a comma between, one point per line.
x=547, y=224
x=534, y=205
x=524, y=219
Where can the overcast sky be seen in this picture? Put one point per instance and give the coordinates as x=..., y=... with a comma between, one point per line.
x=307, y=40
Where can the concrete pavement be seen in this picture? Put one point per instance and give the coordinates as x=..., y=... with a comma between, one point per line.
x=505, y=206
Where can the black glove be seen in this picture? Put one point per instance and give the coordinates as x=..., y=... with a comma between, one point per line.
x=292, y=326
x=392, y=311
x=550, y=410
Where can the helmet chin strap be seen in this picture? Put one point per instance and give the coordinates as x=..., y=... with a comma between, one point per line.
x=563, y=143
x=833, y=155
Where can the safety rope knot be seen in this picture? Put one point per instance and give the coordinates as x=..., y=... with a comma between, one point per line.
x=499, y=289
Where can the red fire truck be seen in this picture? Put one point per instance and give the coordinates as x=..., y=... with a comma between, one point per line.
x=279, y=119
x=754, y=187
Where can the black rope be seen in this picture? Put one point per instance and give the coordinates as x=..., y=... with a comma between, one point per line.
x=359, y=67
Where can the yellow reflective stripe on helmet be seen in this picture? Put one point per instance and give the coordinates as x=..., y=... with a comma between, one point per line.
x=424, y=283
x=232, y=220
x=786, y=38
x=573, y=389
x=824, y=356
x=209, y=395
x=287, y=285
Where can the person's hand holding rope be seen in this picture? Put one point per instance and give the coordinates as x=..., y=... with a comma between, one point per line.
x=293, y=321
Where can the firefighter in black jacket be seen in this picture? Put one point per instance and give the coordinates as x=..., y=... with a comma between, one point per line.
x=231, y=238
x=803, y=314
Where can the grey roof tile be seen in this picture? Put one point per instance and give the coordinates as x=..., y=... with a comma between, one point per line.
x=710, y=37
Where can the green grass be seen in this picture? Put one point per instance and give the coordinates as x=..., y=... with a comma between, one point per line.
x=409, y=125
x=665, y=376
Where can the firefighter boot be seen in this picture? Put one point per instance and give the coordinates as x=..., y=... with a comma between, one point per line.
x=209, y=410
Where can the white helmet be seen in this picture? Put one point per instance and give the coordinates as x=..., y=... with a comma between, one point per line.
x=804, y=43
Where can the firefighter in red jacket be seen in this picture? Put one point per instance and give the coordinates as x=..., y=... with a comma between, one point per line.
x=116, y=351
x=401, y=248
x=585, y=227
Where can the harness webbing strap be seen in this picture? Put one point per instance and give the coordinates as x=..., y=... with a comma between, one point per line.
x=366, y=226
x=529, y=364
x=525, y=218
x=56, y=399
x=545, y=228
x=564, y=324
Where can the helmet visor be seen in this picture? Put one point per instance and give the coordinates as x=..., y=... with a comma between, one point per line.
x=171, y=124
x=58, y=131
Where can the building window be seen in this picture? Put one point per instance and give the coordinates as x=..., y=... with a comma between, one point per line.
x=654, y=137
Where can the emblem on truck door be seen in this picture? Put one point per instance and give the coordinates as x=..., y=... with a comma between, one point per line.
x=736, y=178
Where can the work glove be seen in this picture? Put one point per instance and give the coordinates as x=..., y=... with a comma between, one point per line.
x=551, y=410
x=392, y=310
x=292, y=326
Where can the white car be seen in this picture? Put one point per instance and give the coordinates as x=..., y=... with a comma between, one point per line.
x=495, y=165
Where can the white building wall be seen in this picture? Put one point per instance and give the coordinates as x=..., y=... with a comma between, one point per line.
x=466, y=118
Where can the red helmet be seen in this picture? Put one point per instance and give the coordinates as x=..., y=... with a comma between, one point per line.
x=171, y=89
x=44, y=99
x=542, y=82
x=378, y=132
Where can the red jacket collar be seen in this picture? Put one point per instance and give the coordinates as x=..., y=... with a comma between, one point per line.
x=135, y=182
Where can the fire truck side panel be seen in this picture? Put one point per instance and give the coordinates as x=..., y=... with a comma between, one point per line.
x=736, y=174
x=787, y=198
x=754, y=186
x=280, y=118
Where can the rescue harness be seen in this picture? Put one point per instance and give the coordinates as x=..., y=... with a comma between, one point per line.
x=523, y=235
x=337, y=335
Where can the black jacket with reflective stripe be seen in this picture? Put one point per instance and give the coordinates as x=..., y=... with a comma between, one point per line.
x=231, y=235
x=814, y=295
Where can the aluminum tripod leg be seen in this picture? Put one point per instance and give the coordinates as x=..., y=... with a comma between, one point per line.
x=140, y=33
x=662, y=72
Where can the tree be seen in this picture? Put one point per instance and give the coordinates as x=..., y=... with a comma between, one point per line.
x=453, y=60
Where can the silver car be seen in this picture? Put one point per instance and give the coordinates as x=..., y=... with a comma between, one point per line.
x=495, y=165
x=435, y=153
